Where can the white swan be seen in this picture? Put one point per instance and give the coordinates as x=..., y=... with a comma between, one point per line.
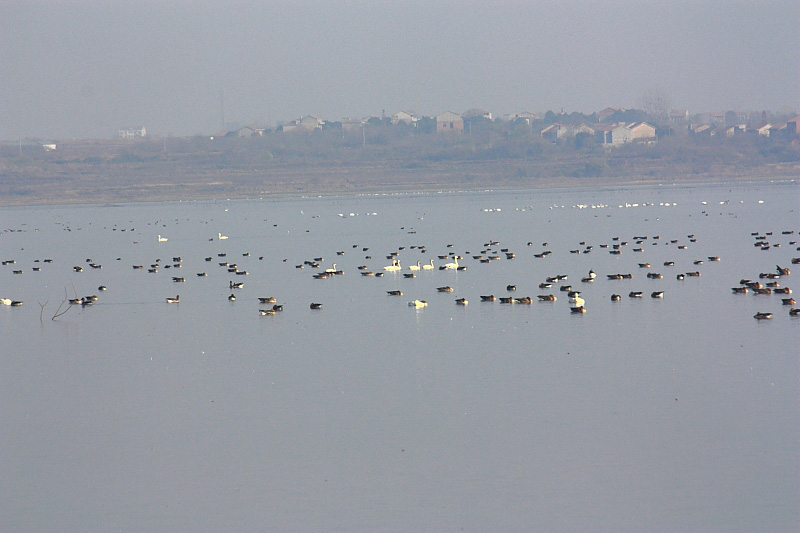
x=428, y=267
x=418, y=304
x=162, y=239
x=5, y=301
x=414, y=267
x=394, y=267
x=331, y=270
x=452, y=266
x=221, y=237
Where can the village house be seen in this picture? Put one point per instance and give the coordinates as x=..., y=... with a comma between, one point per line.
x=642, y=131
x=450, y=123
x=132, y=133
x=612, y=134
x=306, y=123
x=352, y=124
x=556, y=131
x=404, y=116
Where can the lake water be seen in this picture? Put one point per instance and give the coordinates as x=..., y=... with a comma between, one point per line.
x=646, y=414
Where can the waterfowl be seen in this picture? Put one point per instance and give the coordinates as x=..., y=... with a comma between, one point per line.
x=414, y=267
x=77, y=268
x=409, y=275
x=657, y=294
x=579, y=309
x=394, y=293
x=461, y=301
x=739, y=290
x=16, y=303
x=418, y=303
x=787, y=301
x=5, y=301
x=162, y=239
x=232, y=285
x=511, y=288
x=315, y=305
x=178, y=280
x=429, y=266
x=783, y=271
x=452, y=266
x=714, y=258
x=794, y=312
x=545, y=285
x=783, y=290
x=524, y=300
x=506, y=300
x=489, y=298
x=175, y=300
x=201, y=274
x=616, y=297
x=693, y=274
x=654, y=275
x=368, y=273
x=221, y=237
x=547, y=297
x=635, y=294
x=267, y=300
x=446, y=288
x=763, y=290
x=395, y=266
x=577, y=300
x=762, y=316
x=669, y=263
x=331, y=270
x=278, y=307
x=265, y=312
x=232, y=297
x=102, y=288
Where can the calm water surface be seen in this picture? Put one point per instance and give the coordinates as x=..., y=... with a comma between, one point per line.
x=670, y=414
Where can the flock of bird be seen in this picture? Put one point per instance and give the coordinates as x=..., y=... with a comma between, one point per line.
x=767, y=283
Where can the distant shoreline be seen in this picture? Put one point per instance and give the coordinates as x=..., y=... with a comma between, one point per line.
x=55, y=194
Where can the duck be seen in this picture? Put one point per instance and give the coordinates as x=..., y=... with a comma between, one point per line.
x=787, y=301
x=635, y=294
x=16, y=303
x=162, y=239
x=232, y=297
x=178, y=280
x=265, y=312
x=267, y=300
x=175, y=300
x=315, y=305
x=547, y=297
x=783, y=271
x=232, y=285
x=511, y=288
x=221, y=237
x=577, y=310
x=446, y=288
x=488, y=298
x=461, y=301
x=762, y=316
x=616, y=297
x=794, y=311
x=657, y=294
x=524, y=300
x=394, y=293
x=506, y=300
x=739, y=290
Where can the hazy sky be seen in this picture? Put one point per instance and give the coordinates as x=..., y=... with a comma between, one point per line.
x=85, y=68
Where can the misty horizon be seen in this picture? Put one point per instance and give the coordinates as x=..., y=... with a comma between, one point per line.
x=87, y=68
